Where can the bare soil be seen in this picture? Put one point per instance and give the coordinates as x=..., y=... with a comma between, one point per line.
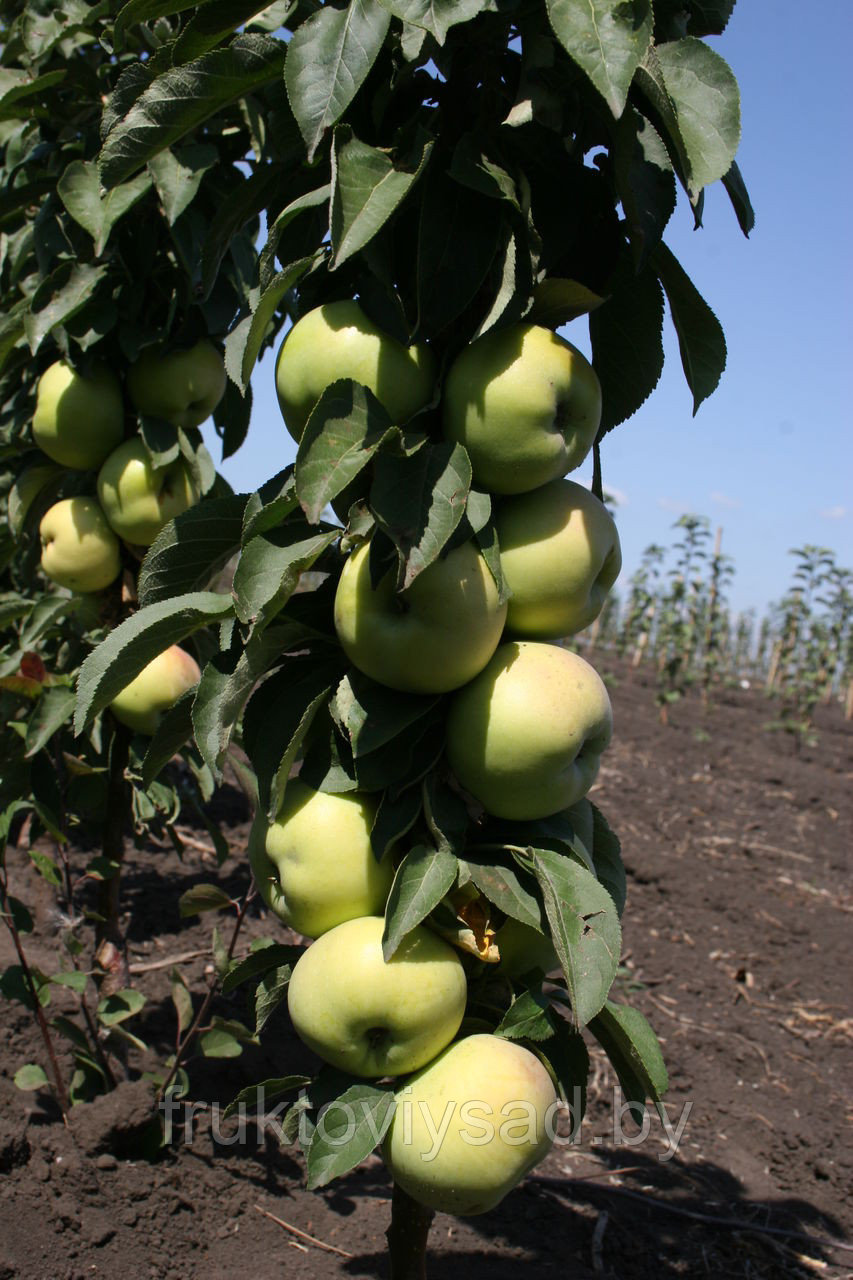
x=736, y=946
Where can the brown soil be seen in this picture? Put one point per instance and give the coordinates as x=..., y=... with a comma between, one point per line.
x=736, y=947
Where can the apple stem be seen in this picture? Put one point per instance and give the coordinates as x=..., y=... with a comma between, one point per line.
x=407, y=1236
x=110, y=950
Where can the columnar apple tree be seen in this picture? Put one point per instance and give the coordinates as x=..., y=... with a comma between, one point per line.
x=444, y=186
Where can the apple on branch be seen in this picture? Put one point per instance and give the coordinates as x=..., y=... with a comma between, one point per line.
x=183, y=387
x=141, y=704
x=526, y=405
x=337, y=340
x=139, y=500
x=526, y=736
x=374, y=1017
x=78, y=419
x=560, y=555
x=79, y=550
x=314, y=865
x=434, y=636
x=471, y=1124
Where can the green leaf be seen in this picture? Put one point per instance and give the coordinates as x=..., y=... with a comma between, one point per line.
x=526, y=1019
x=584, y=928
x=30, y=1077
x=348, y=1129
x=437, y=16
x=17, y=86
x=203, y=897
x=219, y=1043
x=190, y=549
x=178, y=175
x=137, y=11
x=211, y=24
x=459, y=236
x=270, y=506
x=182, y=1000
x=79, y=189
x=514, y=294
x=183, y=98
x=136, y=642
x=328, y=60
x=258, y=1095
x=270, y=567
x=395, y=816
x=694, y=94
x=739, y=196
x=269, y=994
x=372, y=716
x=174, y=730
x=419, y=500
x=633, y=1048
x=645, y=182
x=244, y=203
x=567, y=1055
x=446, y=815
x=367, y=186
x=59, y=297
x=421, y=881
x=700, y=335
x=243, y=344
x=310, y=200
x=21, y=916
x=346, y=428
x=258, y=963
x=607, y=857
x=52, y=710
x=607, y=39
x=120, y=1006
x=74, y=979
x=509, y=888
x=46, y=867
x=627, y=345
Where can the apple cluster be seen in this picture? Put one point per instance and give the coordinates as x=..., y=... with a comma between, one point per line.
x=527, y=723
x=79, y=423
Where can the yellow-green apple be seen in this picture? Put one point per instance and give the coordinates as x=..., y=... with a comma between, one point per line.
x=78, y=548
x=314, y=866
x=526, y=736
x=137, y=499
x=374, y=1017
x=525, y=403
x=471, y=1124
x=523, y=948
x=78, y=420
x=434, y=636
x=560, y=555
x=337, y=340
x=142, y=703
x=183, y=387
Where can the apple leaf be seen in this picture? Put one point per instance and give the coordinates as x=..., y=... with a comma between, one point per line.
x=607, y=857
x=178, y=175
x=328, y=59
x=79, y=189
x=515, y=283
x=183, y=98
x=348, y=1129
x=396, y=815
x=418, y=501
x=203, y=897
x=211, y=24
x=244, y=203
x=406, y=759
x=137, y=641
x=269, y=994
x=700, y=336
x=507, y=886
x=190, y=549
x=310, y=200
x=739, y=196
x=120, y=1006
x=174, y=730
x=136, y=11
x=258, y=1095
x=527, y=1018
x=346, y=427
x=259, y=962
x=59, y=297
x=52, y=710
x=181, y=999
x=627, y=345
x=30, y=1077
x=459, y=236
x=270, y=567
x=584, y=928
x=367, y=186
x=422, y=879
x=635, y=1053
x=436, y=16
x=243, y=344
x=270, y=505
x=566, y=1054
x=607, y=39
x=371, y=715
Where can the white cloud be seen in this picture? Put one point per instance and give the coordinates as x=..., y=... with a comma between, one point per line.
x=834, y=513
x=617, y=497
x=670, y=504
x=723, y=500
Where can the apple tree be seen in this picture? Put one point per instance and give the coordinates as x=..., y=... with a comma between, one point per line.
x=444, y=186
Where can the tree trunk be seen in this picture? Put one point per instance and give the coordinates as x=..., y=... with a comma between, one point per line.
x=407, y=1236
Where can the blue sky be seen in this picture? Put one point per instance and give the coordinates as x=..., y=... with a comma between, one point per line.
x=769, y=456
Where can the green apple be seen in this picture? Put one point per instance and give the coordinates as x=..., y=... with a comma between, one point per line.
x=183, y=387
x=526, y=736
x=142, y=703
x=560, y=555
x=337, y=340
x=78, y=420
x=526, y=405
x=78, y=548
x=471, y=1124
x=138, y=500
x=523, y=948
x=315, y=866
x=373, y=1017
x=434, y=636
